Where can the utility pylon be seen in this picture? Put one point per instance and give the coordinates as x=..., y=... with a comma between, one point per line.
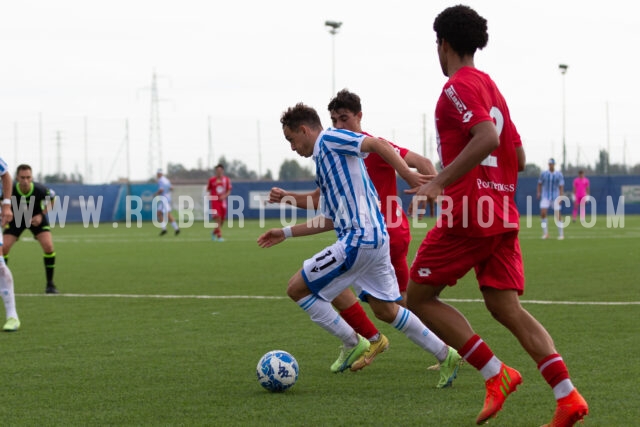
x=59, y=153
x=155, y=141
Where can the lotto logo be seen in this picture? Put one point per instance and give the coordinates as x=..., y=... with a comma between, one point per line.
x=424, y=272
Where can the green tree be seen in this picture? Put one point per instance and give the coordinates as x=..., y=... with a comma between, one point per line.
x=531, y=169
x=237, y=169
x=268, y=176
x=602, y=165
x=63, y=179
x=290, y=170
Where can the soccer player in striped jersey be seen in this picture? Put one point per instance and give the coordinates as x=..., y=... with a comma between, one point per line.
x=346, y=113
x=481, y=154
x=360, y=256
x=6, y=278
x=550, y=188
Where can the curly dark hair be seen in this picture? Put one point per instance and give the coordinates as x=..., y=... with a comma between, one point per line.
x=347, y=100
x=300, y=114
x=462, y=28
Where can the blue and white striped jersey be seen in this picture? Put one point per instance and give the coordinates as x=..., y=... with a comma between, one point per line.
x=3, y=167
x=348, y=196
x=165, y=184
x=551, y=182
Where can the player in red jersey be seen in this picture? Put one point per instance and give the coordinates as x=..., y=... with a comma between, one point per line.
x=346, y=113
x=481, y=153
x=219, y=187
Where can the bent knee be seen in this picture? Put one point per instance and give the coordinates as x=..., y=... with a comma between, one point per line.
x=297, y=288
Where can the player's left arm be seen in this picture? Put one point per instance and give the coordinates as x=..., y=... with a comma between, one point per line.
x=316, y=225
x=389, y=154
x=49, y=200
x=226, y=193
x=425, y=167
x=420, y=163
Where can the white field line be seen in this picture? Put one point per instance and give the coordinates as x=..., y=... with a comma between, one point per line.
x=264, y=297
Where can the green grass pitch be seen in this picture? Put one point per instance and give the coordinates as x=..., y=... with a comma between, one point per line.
x=168, y=330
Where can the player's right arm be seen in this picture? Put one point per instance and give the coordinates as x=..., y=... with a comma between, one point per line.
x=484, y=139
x=308, y=200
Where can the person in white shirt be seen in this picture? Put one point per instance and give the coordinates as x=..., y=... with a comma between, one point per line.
x=164, y=204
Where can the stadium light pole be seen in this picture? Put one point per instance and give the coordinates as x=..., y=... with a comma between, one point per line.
x=333, y=30
x=563, y=70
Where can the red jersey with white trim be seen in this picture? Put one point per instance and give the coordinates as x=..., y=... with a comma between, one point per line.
x=480, y=203
x=383, y=176
x=218, y=186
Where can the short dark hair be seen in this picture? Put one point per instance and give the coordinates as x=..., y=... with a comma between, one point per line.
x=23, y=167
x=462, y=28
x=298, y=115
x=347, y=100
x=219, y=165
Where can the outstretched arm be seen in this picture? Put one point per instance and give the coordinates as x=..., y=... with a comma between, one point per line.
x=420, y=163
x=307, y=200
x=316, y=225
x=386, y=151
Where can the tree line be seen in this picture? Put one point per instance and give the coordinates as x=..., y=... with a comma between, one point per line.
x=291, y=170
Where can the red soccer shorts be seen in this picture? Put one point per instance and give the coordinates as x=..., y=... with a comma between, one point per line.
x=399, y=239
x=218, y=209
x=444, y=258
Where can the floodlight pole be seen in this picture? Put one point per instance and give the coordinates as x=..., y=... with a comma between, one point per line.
x=563, y=70
x=333, y=30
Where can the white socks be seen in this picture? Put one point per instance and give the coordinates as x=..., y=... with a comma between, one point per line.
x=323, y=315
x=6, y=289
x=410, y=325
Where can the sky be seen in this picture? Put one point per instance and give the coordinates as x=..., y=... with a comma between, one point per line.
x=76, y=78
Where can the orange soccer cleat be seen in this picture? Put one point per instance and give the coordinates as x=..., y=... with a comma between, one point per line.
x=570, y=410
x=498, y=388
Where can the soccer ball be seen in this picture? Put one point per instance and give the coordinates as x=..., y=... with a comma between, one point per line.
x=277, y=370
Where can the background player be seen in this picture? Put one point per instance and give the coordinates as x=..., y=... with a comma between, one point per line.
x=581, y=189
x=6, y=278
x=219, y=187
x=37, y=199
x=164, y=203
x=550, y=188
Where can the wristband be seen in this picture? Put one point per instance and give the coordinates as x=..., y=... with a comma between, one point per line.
x=287, y=232
x=6, y=201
